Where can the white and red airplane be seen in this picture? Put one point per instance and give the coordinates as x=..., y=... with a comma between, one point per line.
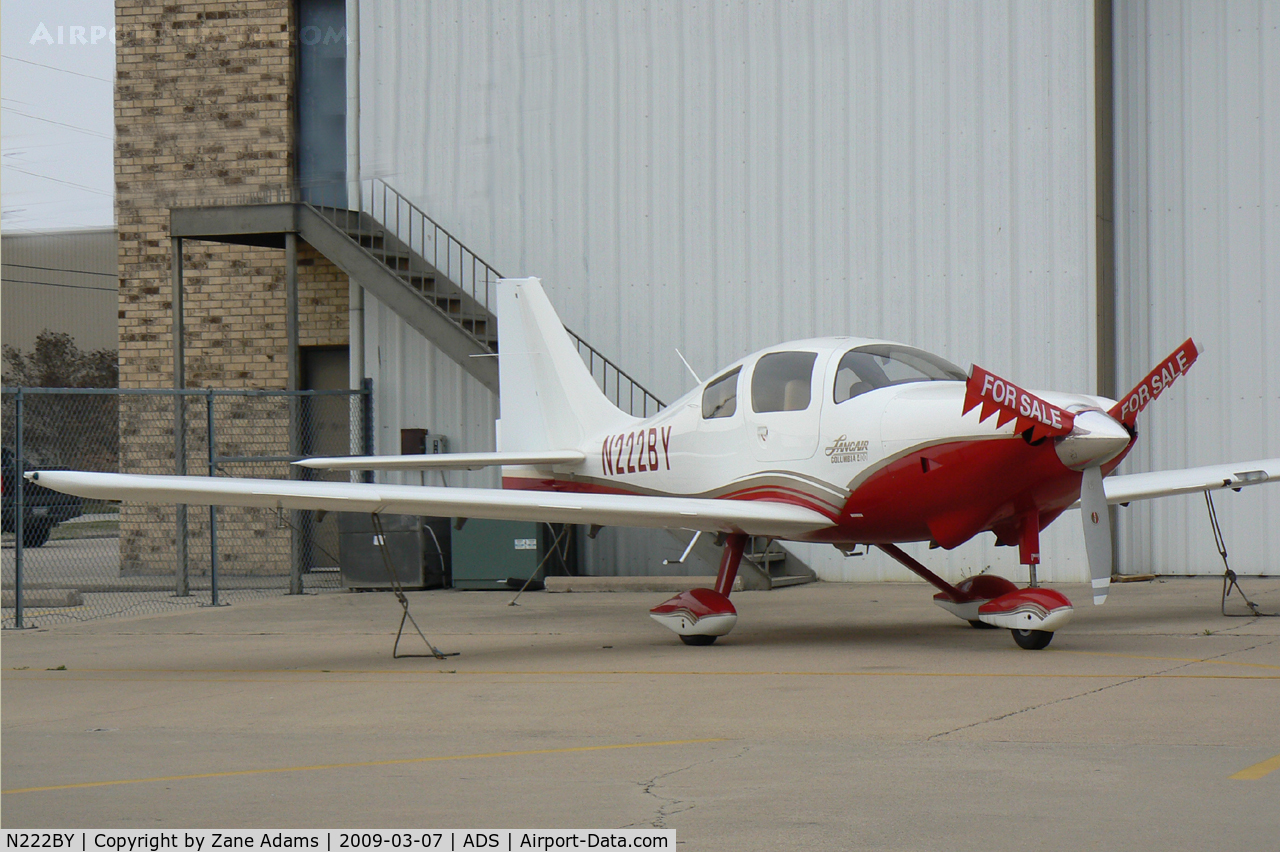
x=840, y=440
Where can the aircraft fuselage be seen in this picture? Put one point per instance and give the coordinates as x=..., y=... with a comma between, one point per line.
x=892, y=459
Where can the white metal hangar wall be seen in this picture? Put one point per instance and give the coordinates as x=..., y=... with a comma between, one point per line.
x=719, y=177
x=1198, y=254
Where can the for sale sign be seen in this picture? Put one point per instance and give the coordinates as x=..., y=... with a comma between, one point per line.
x=1003, y=397
x=1165, y=373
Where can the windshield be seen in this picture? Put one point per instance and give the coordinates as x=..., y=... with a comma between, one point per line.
x=882, y=364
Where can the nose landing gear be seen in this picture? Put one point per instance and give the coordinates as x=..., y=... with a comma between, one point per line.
x=1031, y=615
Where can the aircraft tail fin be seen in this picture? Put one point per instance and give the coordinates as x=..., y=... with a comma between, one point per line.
x=548, y=398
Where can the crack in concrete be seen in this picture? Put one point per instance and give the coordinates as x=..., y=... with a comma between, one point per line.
x=1110, y=686
x=1002, y=716
x=668, y=806
x=1062, y=700
x=1250, y=621
x=1254, y=647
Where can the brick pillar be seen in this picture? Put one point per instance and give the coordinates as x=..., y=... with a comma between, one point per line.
x=204, y=111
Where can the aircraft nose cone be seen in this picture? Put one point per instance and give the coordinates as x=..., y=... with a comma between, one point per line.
x=1097, y=438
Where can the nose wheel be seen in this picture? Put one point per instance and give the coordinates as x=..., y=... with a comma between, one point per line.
x=1032, y=640
x=699, y=639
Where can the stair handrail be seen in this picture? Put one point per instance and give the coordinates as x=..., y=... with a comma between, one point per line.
x=377, y=194
x=376, y=187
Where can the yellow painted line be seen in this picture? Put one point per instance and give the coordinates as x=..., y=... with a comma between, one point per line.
x=368, y=763
x=1172, y=659
x=1258, y=770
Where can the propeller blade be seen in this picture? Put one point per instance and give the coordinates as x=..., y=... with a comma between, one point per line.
x=1165, y=373
x=1097, y=531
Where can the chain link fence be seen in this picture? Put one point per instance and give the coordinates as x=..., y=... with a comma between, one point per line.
x=66, y=559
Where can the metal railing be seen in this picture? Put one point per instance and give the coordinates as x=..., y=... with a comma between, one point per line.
x=399, y=234
x=64, y=559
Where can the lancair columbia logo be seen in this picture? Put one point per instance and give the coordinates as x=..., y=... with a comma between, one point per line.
x=843, y=450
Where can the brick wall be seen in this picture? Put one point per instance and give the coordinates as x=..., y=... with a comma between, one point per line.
x=322, y=300
x=204, y=111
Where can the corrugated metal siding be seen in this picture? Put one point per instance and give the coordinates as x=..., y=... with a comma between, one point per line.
x=1198, y=127
x=64, y=281
x=718, y=177
x=415, y=386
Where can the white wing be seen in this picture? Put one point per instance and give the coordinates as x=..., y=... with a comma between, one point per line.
x=624, y=510
x=445, y=461
x=1164, y=483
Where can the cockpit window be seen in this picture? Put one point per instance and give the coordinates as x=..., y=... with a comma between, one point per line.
x=781, y=381
x=720, y=399
x=880, y=365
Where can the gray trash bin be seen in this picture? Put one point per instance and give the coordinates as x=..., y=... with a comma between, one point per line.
x=418, y=548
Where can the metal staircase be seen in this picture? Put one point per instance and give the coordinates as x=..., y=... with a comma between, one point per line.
x=773, y=566
x=416, y=250
x=404, y=258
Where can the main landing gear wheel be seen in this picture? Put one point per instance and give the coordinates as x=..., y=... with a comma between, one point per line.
x=1032, y=640
x=697, y=639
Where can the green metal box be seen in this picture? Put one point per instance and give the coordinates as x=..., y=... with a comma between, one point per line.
x=487, y=553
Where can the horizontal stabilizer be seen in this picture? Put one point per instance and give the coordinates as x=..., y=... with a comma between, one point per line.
x=1165, y=483
x=752, y=517
x=445, y=461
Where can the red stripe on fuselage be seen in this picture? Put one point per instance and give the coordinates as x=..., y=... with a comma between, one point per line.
x=771, y=493
x=966, y=488
x=780, y=494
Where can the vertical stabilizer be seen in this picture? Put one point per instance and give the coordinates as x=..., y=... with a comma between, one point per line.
x=548, y=399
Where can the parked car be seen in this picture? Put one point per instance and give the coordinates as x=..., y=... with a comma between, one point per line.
x=42, y=508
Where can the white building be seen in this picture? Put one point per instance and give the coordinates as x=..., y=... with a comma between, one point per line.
x=717, y=177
